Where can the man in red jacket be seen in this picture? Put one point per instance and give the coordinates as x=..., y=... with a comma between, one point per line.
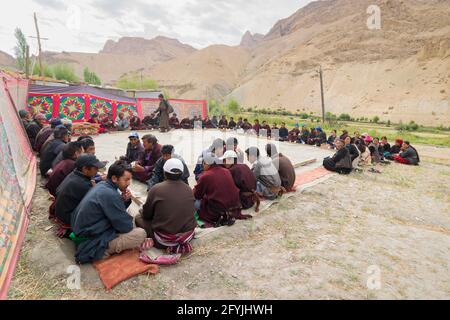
x=217, y=197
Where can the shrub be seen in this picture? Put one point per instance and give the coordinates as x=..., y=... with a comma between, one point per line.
x=344, y=117
x=64, y=72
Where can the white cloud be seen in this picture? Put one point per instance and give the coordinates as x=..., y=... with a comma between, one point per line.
x=85, y=25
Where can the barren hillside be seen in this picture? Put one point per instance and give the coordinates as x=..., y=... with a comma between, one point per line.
x=6, y=60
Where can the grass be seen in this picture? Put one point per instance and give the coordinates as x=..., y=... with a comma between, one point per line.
x=424, y=135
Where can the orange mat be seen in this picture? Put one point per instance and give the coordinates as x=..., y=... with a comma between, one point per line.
x=310, y=176
x=121, y=267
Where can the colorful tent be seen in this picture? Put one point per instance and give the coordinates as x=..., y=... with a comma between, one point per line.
x=79, y=103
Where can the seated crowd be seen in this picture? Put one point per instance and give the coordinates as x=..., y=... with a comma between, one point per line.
x=91, y=207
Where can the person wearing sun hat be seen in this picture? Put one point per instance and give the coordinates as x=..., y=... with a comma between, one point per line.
x=134, y=148
x=168, y=213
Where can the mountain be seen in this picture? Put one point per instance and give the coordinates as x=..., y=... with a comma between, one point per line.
x=128, y=54
x=6, y=60
x=251, y=40
x=160, y=48
x=399, y=72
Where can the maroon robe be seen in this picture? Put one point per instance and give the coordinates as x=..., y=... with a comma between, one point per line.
x=135, y=123
x=60, y=172
x=147, y=159
x=293, y=135
x=218, y=194
x=174, y=123
x=256, y=127
x=42, y=136
x=245, y=180
x=185, y=123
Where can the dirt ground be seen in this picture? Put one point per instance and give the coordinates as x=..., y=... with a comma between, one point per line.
x=362, y=236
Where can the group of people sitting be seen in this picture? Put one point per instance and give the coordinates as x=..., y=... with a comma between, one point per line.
x=90, y=206
x=363, y=150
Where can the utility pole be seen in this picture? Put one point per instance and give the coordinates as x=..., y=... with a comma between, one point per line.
x=320, y=72
x=39, y=45
x=27, y=61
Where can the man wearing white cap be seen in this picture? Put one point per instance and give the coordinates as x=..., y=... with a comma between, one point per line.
x=168, y=213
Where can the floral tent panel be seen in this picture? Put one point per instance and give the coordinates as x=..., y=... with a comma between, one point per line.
x=17, y=182
x=72, y=108
x=41, y=104
x=128, y=109
x=100, y=107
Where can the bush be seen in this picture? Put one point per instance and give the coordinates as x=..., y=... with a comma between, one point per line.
x=64, y=72
x=304, y=116
x=135, y=82
x=47, y=71
x=91, y=77
x=344, y=117
x=232, y=106
x=376, y=119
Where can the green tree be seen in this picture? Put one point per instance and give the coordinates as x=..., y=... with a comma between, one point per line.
x=46, y=72
x=63, y=71
x=376, y=119
x=134, y=81
x=91, y=77
x=20, y=50
x=233, y=106
x=344, y=117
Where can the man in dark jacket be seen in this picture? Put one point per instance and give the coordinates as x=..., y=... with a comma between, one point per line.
x=186, y=124
x=223, y=123
x=354, y=153
x=101, y=221
x=168, y=214
x=283, y=133
x=167, y=152
x=232, y=124
x=61, y=135
x=174, y=123
x=285, y=168
x=70, y=154
x=145, y=164
x=45, y=133
x=31, y=127
x=75, y=186
x=408, y=155
x=134, y=148
x=341, y=161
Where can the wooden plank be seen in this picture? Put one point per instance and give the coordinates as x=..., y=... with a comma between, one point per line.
x=305, y=163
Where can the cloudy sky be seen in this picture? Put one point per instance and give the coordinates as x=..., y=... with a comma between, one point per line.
x=85, y=25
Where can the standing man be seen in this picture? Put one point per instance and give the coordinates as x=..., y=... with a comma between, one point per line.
x=164, y=110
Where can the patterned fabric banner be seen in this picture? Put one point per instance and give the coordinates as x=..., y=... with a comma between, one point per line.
x=72, y=108
x=100, y=107
x=42, y=105
x=17, y=183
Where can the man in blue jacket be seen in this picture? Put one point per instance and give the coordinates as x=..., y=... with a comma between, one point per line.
x=101, y=221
